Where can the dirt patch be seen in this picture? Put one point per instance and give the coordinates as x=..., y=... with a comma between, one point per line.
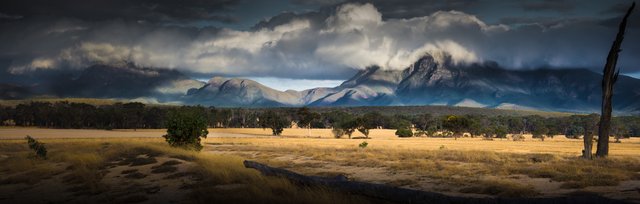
x=164, y=189
x=126, y=179
x=163, y=169
x=129, y=171
x=138, y=160
x=135, y=175
x=192, y=175
x=166, y=167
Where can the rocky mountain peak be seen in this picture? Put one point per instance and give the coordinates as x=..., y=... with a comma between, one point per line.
x=427, y=71
x=216, y=81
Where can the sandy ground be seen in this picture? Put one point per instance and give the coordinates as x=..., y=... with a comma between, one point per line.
x=122, y=183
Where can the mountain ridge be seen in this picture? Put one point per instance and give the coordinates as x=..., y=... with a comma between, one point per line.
x=431, y=81
x=428, y=81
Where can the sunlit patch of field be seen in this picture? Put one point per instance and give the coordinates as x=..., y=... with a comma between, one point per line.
x=386, y=139
x=464, y=167
x=44, y=133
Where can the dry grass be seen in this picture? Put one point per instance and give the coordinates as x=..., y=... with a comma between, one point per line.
x=460, y=163
x=84, y=162
x=466, y=165
x=386, y=139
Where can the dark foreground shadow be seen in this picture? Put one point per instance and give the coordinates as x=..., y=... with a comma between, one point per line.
x=403, y=195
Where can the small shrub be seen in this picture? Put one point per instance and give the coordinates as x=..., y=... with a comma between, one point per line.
x=337, y=133
x=37, y=147
x=404, y=132
x=185, y=127
x=363, y=145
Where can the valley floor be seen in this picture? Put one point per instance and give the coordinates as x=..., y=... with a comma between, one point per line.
x=469, y=167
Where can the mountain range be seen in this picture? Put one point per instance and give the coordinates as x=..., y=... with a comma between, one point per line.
x=431, y=80
x=436, y=81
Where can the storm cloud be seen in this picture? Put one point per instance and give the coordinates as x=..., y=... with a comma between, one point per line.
x=326, y=43
x=156, y=11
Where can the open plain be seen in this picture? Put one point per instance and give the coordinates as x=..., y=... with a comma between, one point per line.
x=136, y=165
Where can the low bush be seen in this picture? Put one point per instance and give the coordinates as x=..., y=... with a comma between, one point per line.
x=37, y=147
x=404, y=133
x=185, y=127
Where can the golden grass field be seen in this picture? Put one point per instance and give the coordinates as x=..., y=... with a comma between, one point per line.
x=116, y=170
x=464, y=167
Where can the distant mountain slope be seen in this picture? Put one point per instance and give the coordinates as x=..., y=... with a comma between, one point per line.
x=11, y=91
x=429, y=81
x=241, y=92
x=103, y=81
x=437, y=81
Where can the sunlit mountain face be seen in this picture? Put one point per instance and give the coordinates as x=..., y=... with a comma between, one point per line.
x=544, y=55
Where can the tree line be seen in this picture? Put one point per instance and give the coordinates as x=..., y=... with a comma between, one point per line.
x=140, y=116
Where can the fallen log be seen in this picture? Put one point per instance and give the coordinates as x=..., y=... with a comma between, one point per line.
x=403, y=195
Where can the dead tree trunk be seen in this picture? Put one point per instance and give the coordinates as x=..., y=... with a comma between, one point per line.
x=588, y=138
x=609, y=77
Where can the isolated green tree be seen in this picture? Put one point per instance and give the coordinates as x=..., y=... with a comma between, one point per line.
x=185, y=127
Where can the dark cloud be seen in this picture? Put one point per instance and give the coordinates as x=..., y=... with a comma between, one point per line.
x=618, y=9
x=136, y=10
x=401, y=8
x=316, y=18
x=325, y=43
x=543, y=22
x=318, y=2
x=615, y=22
x=4, y=16
x=550, y=5
x=415, y=8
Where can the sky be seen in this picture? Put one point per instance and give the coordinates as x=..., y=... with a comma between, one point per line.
x=299, y=44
